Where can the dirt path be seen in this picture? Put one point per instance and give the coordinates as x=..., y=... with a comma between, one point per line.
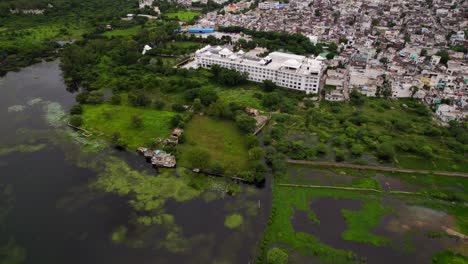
x=329, y=187
x=377, y=168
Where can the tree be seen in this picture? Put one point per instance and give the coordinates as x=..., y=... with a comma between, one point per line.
x=245, y=122
x=383, y=60
x=271, y=100
x=256, y=153
x=137, y=121
x=178, y=108
x=76, y=120
x=116, y=139
x=82, y=97
x=277, y=256
x=138, y=99
x=95, y=97
x=414, y=90
x=76, y=110
x=356, y=97
x=115, y=99
x=177, y=121
x=268, y=86
x=375, y=22
x=199, y=158
x=357, y=149
x=423, y=53
x=208, y=95
x=159, y=104
x=444, y=56
x=385, y=151
x=197, y=105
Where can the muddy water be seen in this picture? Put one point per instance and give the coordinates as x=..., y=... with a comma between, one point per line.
x=53, y=216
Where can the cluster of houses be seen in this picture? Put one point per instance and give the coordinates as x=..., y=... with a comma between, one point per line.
x=395, y=49
x=160, y=158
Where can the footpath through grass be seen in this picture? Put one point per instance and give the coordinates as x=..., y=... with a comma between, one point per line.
x=109, y=119
x=221, y=139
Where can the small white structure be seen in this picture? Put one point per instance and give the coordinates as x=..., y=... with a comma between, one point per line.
x=146, y=49
x=145, y=3
x=435, y=60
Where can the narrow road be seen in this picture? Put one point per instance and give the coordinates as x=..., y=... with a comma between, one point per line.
x=377, y=168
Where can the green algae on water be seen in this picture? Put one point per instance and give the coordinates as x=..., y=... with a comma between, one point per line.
x=21, y=148
x=55, y=114
x=233, y=221
x=12, y=253
x=119, y=234
x=16, y=108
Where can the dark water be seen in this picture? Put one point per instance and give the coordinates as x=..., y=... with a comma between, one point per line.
x=55, y=217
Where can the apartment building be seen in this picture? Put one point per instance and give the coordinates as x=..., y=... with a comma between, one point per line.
x=286, y=70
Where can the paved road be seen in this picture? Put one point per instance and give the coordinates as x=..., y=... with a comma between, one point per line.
x=377, y=168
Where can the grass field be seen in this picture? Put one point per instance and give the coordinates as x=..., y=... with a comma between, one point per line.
x=36, y=35
x=221, y=139
x=241, y=96
x=183, y=15
x=123, y=32
x=110, y=118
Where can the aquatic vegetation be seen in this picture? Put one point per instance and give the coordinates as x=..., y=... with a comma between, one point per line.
x=55, y=114
x=12, y=253
x=89, y=144
x=119, y=234
x=174, y=242
x=34, y=101
x=361, y=222
x=147, y=191
x=233, y=221
x=16, y=108
x=448, y=257
x=21, y=148
x=159, y=219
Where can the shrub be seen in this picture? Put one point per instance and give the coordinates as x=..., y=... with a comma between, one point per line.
x=75, y=120
x=137, y=121
x=76, y=110
x=115, y=99
x=178, y=108
x=159, y=105
x=277, y=256
x=385, y=151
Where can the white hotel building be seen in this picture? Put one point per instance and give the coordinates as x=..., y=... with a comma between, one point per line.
x=286, y=70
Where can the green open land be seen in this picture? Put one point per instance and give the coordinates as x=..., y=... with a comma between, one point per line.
x=25, y=39
x=183, y=15
x=123, y=32
x=248, y=96
x=221, y=139
x=400, y=133
x=109, y=119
